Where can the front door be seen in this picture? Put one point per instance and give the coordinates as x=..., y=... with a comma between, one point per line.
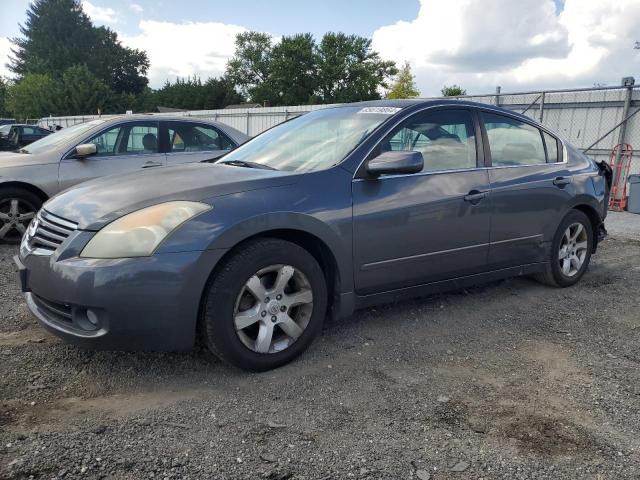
x=434, y=225
x=126, y=147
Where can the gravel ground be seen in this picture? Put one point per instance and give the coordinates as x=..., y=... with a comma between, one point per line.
x=510, y=380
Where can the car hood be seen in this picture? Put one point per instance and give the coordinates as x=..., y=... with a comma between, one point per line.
x=98, y=202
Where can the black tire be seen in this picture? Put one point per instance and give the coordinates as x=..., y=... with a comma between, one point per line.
x=220, y=296
x=553, y=274
x=28, y=202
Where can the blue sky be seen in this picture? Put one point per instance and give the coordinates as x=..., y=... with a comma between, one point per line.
x=283, y=17
x=479, y=44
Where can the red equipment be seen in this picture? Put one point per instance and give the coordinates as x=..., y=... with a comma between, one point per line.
x=621, y=166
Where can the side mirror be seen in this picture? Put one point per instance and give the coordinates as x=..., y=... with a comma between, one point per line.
x=85, y=150
x=395, y=162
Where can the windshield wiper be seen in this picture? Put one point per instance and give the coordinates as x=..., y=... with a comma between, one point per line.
x=244, y=163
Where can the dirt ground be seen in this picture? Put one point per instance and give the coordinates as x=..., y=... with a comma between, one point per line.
x=510, y=380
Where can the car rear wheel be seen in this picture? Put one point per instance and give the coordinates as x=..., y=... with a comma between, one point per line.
x=265, y=305
x=570, y=252
x=17, y=209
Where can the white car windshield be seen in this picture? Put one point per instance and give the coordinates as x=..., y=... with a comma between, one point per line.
x=314, y=141
x=61, y=137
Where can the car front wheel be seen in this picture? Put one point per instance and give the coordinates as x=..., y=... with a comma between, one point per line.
x=570, y=252
x=265, y=305
x=17, y=209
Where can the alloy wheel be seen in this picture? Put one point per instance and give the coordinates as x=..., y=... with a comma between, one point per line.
x=573, y=249
x=273, y=309
x=15, y=215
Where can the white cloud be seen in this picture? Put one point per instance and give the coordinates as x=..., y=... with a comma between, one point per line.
x=184, y=49
x=134, y=7
x=524, y=44
x=99, y=14
x=5, y=51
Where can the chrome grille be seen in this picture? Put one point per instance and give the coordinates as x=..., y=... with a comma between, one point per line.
x=47, y=231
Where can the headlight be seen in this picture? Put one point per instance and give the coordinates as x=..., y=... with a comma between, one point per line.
x=139, y=233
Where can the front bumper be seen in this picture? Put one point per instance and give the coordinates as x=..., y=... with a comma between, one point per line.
x=147, y=303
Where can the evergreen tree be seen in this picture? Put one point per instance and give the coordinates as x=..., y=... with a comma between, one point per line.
x=404, y=85
x=58, y=35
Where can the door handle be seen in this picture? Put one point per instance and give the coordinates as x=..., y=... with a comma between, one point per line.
x=151, y=165
x=561, y=181
x=474, y=196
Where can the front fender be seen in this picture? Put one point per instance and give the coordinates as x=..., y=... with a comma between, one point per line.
x=324, y=213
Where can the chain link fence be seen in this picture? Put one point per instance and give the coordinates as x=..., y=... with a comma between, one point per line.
x=592, y=119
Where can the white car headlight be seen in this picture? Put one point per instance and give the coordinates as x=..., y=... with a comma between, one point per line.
x=139, y=233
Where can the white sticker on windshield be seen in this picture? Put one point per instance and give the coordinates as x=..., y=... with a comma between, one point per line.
x=383, y=110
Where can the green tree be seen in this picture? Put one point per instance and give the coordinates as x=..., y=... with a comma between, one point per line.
x=248, y=70
x=77, y=92
x=4, y=88
x=192, y=94
x=220, y=92
x=349, y=70
x=453, y=91
x=404, y=85
x=34, y=96
x=58, y=35
x=81, y=92
x=293, y=71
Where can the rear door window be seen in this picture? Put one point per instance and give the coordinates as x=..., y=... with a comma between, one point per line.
x=196, y=137
x=513, y=142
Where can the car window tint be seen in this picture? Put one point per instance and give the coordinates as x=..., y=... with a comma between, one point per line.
x=142, y=138
x=28, y=131
x=552, y=148
x=513, y=142
x=106, y=142
x=127, y=139
x=445, y=138
x=193, y=137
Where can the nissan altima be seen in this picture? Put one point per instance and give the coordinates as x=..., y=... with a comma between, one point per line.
x=338, y=209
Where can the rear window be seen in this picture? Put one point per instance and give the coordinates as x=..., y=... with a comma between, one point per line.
x=513, y=142
x=552, y=148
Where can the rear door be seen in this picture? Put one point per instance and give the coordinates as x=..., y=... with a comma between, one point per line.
x=433, y=225
x=530, y=189
x=121, y=148
x=194, y=142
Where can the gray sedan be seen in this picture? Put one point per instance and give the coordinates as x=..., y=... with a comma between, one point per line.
x=339, y=209
x=98, y=148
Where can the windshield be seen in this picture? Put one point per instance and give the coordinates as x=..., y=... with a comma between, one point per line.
x=5, y=129
x=60, y=137
x=314, y=141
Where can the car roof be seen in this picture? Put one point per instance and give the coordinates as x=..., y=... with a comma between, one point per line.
x=152, y=117
x=421, y=102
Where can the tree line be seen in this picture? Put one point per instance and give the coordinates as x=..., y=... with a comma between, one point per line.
x=64, y=65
